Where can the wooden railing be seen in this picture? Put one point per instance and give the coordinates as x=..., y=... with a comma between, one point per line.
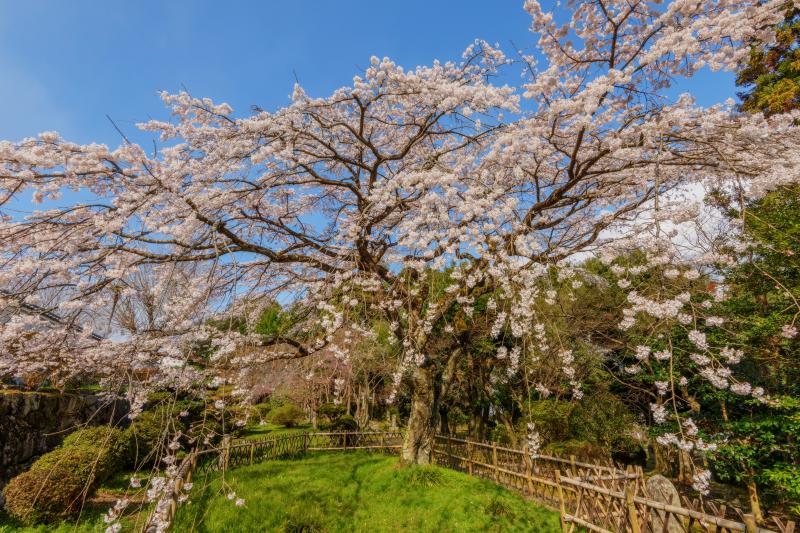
x=598, y=497
x=247, y=452
x=385, y=441
x=602, y=498
x=534, y=476
x=602, y=506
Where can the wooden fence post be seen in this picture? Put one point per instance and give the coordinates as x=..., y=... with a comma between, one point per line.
x=226, y=450
x=574, y=472
x=561, y=506
x=469, y=457
x=252, y=449
x=494, y=460
x=633, y=515
x=641, y=487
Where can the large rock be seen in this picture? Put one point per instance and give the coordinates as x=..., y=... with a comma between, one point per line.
x=661, y=489
x=33, y=423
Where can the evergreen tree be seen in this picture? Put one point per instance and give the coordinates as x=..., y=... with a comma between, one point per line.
x=772, y=76
x=762, y=440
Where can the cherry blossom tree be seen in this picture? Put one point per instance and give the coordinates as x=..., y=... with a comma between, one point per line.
x=359, y=204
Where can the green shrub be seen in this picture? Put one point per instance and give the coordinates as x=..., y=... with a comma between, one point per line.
x=331, y=411
x=58, y=482
x=784, y=479
x=114, y=442
x=552, y=419
x=193, y=409
x=288, y=415
x=606, y=422
x=149, y=432
x=344, y=423
x=425, y=476
x=582, y=450
x=157, y=398
x=263, y=409
x=209, y=428
x=598, y=426
x=500, y=434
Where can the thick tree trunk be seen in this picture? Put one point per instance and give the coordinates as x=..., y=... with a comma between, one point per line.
x=444, y=421
x=362, y=407
x=483, y=427
x=431, y=384
x=312, y=413
x=508, y=422
x=755, y=504
x=423, y=420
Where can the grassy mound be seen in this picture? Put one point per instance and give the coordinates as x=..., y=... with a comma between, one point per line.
x=90, y=519
x=355, y=492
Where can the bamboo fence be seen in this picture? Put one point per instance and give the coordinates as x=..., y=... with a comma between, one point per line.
x=597, y=497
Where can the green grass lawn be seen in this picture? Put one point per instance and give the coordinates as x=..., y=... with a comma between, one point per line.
x=256, y=431
x=333, y=492
x=91, y=521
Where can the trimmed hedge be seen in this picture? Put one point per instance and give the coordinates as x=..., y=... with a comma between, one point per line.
x=115, y=443
x=58, y=482
x=345, y=423
x=331, y=411
x=288, y=415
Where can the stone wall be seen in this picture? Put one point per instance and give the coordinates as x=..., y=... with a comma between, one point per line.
x=33, y=423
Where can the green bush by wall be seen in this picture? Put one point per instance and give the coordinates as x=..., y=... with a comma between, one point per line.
x=58, y=482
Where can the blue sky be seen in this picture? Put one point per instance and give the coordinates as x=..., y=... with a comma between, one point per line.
x=65, y=65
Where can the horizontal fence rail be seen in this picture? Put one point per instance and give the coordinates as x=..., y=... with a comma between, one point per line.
x=386, y=441
x=232, y=455
x=532, y=475
x=604, y=509
x=597, y=497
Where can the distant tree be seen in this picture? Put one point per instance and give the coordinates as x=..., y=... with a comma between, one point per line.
x=772, y=76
